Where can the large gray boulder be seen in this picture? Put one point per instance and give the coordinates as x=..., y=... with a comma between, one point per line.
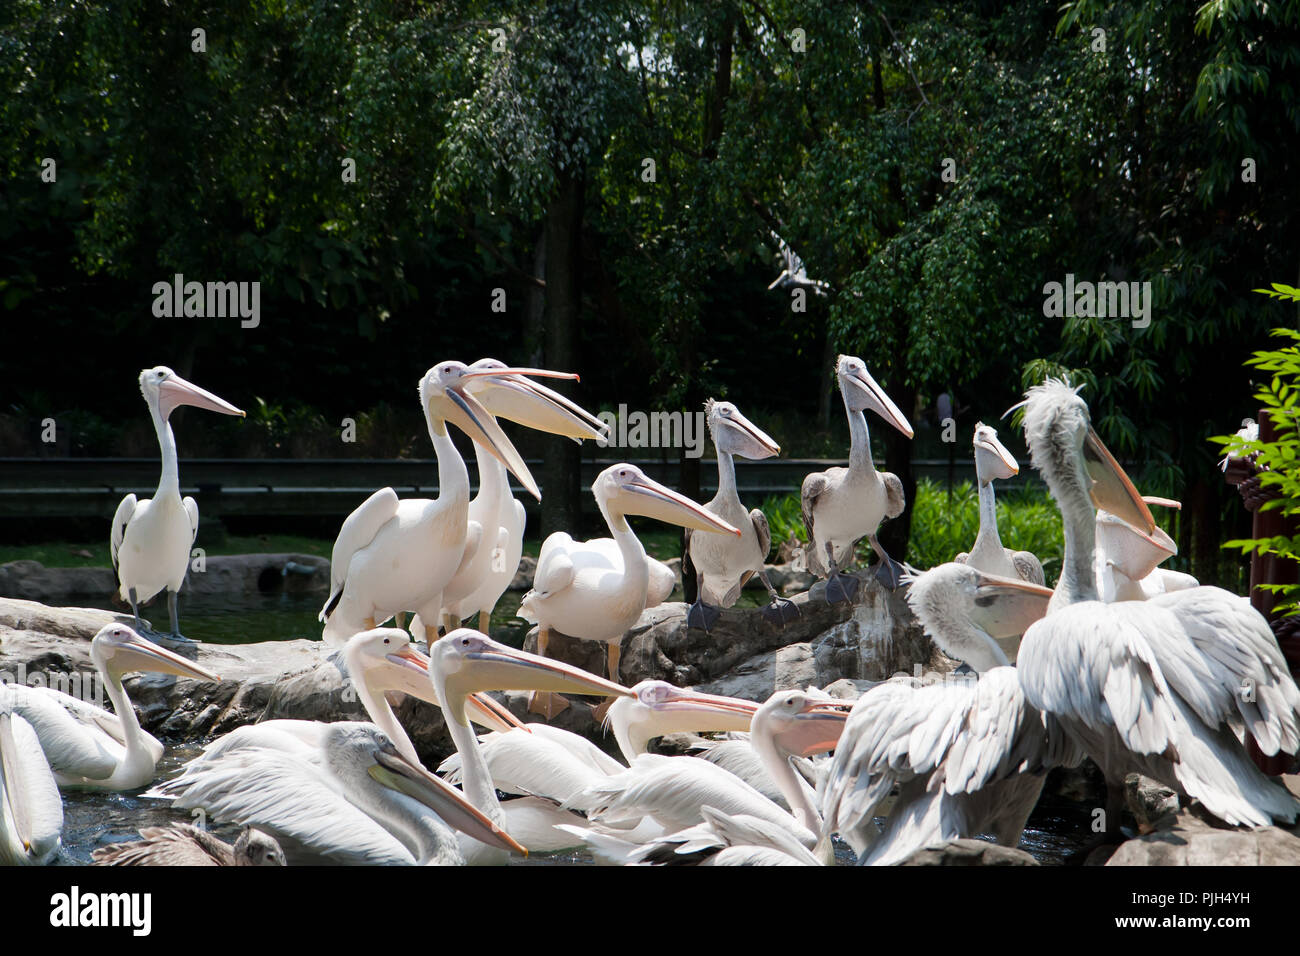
x=1188, y=839
x=969, y=852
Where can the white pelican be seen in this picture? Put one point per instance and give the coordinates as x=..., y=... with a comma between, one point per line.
x=151, y=538
x=355, y=800
x=31, y=810
x=393, y=555
x=841, y=505
x=724, y=565
x=1167, y=687
x=465, y=662
x=488, y=568
x=183, y=845
x=88, y=747
x=576, y=592
x=993, y=461
x=968, y=756
x=1127, y=559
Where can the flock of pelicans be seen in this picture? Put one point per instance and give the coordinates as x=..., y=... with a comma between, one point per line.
x=1138, y=668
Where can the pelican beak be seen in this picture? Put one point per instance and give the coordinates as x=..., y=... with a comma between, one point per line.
x=878, y=401
x=139, y=654
x=487, y=712
x=11, y=785
x=1005, y=607
x=645, y=496
x=988, y=447
x=758, y=444
x=176, y=391
x=412, y=677
x=494, y=666
x=1163, y=502
x=816, y=729
x=394, y=771
x=475, y=421
x=506, y=393
x=708, y=712
x=1111, y=488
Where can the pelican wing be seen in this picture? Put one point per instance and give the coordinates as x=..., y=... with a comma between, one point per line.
x=192, y=509
x=554, y=565
x=121, y=518
x=290, y=797
x=895, y=500
x=1028, y=567
x=473, y=541
x=177, y=845
x=532, y=764
x=359, y=529
x=26, y=773
x=79, y=739
x=764, y=533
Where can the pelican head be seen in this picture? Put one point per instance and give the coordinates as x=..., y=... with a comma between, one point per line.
x=355, y=751
x=466, y=661
x=735, y=434
x=861, y=393
x=1079, y=469
x=658, y=708
x=509, y=393
x=992, y=460
x=163, y=389
x=952, y=598
x=800, y=723
x=625, y=489
x=445, y=397
x=255, y=848
x=385, y=659
x=120, y=650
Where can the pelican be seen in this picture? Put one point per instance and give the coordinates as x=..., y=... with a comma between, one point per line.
x=576, y=592
x=151, y=539
x=993, y=461
x=377, y=661
x=968, y=756
x=725, y=565
x=86, y=746
x=841, y=505
x=465, y=662
x=1167, y=687
x=489, y=567
x=1127, y=559
x=184, y=845
x=795, y=274
x=354, y=800
x=31, y=810
x=393, y=555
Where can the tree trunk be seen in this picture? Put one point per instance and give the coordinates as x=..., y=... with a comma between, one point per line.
x=561, y=472
x=896, y=532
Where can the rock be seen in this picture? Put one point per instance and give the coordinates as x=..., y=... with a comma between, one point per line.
x=1148, y=800
x=969, y=852
x=523, y=579
x=222, y=574
x=1187, y=839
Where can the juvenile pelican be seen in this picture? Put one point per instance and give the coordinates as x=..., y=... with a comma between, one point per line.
x=86, y=746
x=993, y=461
x=725, y=565
x=356, y=800
x=394, y=555
x=151, y=538
x=183, y=845
x=31, y=810
x=967, y=756
x=576, y=592
x=489, y=566
x=1167, y=687
x=841, y=505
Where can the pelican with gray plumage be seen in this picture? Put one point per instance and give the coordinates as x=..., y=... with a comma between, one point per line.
x=725, y=564
x=184, y=845
x=993, y=461
x=842, y=505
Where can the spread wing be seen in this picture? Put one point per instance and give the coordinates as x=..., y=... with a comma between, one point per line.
x=359, y=529
x=121, y=519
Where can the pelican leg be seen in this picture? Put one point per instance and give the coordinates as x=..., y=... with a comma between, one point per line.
x=172, y=613
x=888, y=571
x=485, y=621
x=135, y=608
x=840, y=587
x=615, y=650
x=781, y=609
x=399, y=620
x=544, y=702
x=701, y=615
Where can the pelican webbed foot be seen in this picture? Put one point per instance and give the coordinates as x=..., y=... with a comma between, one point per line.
x=781, y=611
x=841, y=588
x=700, y=615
